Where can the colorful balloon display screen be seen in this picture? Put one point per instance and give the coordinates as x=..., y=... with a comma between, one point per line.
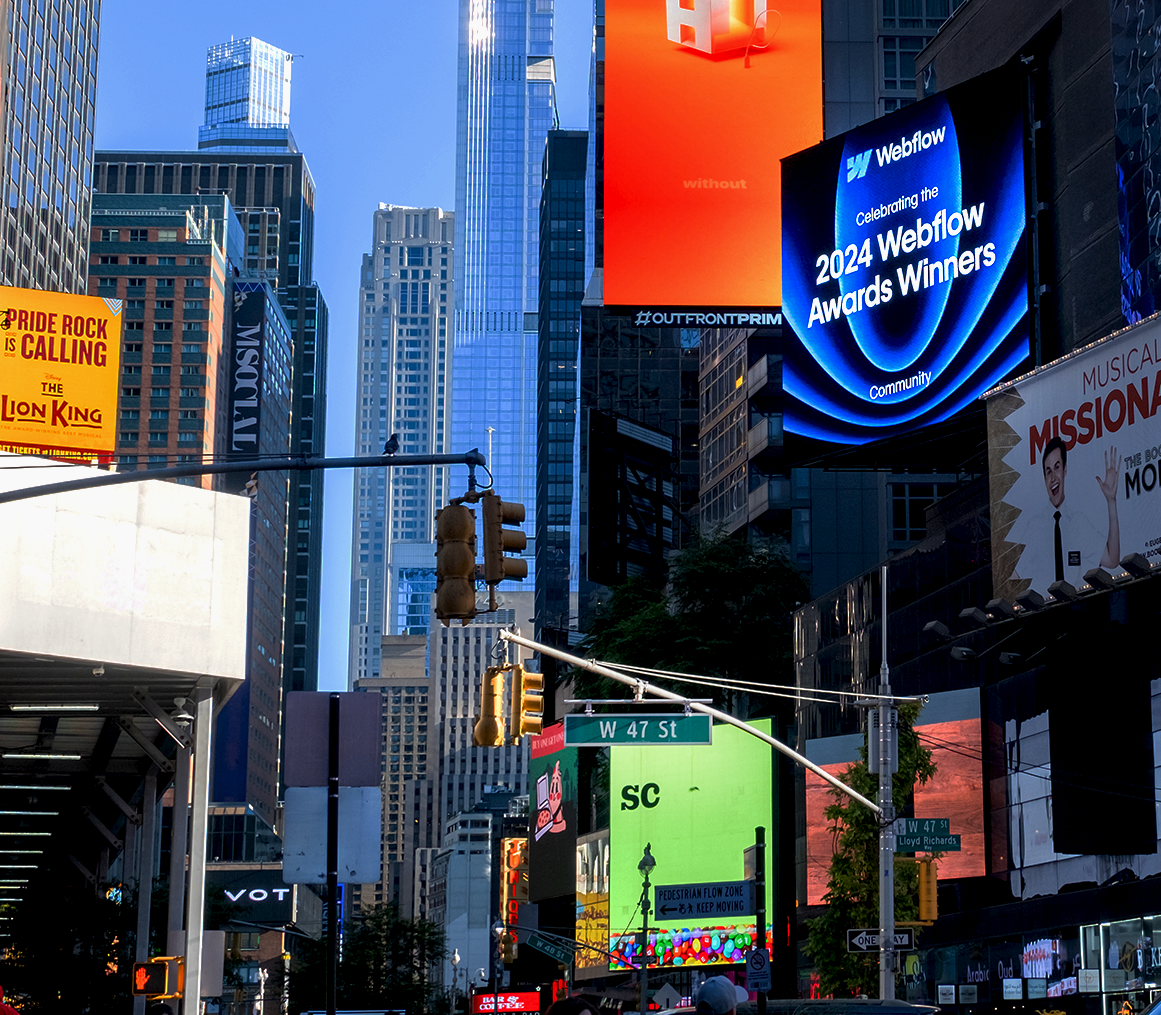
x=697, y=807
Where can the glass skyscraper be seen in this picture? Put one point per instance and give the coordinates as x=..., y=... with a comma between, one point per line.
x=47, y=91
x=506, y=104
x=247, y=95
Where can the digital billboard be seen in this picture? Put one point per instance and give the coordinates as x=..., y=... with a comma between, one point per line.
x=61, y=363
x=592, y=905
x=702, y=98
x=697, y=807
x=552, y=838
x=905, y=278
x=1089, y=416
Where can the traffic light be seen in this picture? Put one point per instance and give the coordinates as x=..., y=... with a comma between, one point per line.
x=151, y=978
x=499, y=540
x=508, y=948
x=489, y=728
x=455, y=563
x=527, y=697
x=928, y=896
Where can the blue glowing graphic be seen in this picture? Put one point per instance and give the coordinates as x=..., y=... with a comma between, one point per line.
x=904, y=266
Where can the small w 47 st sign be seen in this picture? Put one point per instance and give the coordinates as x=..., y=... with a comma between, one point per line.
x=868, y=940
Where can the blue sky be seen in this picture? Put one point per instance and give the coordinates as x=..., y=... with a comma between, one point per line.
x=373, y=109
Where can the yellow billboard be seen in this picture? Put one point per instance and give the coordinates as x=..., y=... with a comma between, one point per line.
x=59, y=374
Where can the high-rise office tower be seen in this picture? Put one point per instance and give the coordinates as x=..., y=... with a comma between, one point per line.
x=404, y=299
x=271, y=189
x=49, y=87
x=505, y=107
x=247, y=81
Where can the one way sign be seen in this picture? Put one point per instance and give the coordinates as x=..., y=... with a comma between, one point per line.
x=868, y=940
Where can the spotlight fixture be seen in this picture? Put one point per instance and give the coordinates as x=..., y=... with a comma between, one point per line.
x=1030, y=600
x=40, y=756
x=1099, y=578
x=1000, y=609
x=182, y=716
x=973, y=615
x=55, y=707
x=1137, y=565
x=1011, y=658
x=1062, y=592
x=961, y=653
x=937, y=628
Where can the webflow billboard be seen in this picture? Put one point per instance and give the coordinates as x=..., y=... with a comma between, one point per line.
x=702, y=98
x=904, y=266
x=60, y=366
x=698, y=808
x=1074, y=456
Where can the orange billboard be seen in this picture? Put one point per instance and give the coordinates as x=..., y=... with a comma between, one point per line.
x=59, y=374
x=703, y=98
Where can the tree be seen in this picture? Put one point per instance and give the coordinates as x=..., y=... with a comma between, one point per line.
x=385, y=958
x=852, y=898
x=725, y=611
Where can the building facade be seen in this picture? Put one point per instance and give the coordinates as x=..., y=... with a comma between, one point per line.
x=273, y=196
x=47, y=97
x=247, y=95
x=402, y=387
x=505, y=106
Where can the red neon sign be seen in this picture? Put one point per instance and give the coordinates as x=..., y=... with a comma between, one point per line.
x=506, y=1000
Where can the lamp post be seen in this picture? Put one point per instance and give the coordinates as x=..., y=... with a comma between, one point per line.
x=455, y=964
x=646, y=868
x=497, y=965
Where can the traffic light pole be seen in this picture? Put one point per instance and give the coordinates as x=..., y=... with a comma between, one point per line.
x=886, y=706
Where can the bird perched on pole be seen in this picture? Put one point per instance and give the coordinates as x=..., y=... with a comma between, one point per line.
x=392, y=444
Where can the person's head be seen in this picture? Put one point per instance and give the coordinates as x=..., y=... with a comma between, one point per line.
x=571, y=1006
x=1055, y=463
x=718, y=996
x=160, y=1008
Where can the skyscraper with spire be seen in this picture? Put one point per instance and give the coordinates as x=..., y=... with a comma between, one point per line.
x=506, y=104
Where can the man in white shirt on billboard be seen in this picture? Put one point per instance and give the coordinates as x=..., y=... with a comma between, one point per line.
x=1077, y=544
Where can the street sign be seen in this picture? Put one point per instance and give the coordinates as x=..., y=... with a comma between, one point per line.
x=758, y=970
x=713, y=900
x=925, y=835
x=653, y=730
x=868, y=940
x=666, y=996
x=560, y=952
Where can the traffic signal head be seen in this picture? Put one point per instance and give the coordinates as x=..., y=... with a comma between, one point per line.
x=151, y=978
x=508, y=949
x=499, y=540
x=489, y=728
x=928, y=895
x=455, y=563
x=527, y=697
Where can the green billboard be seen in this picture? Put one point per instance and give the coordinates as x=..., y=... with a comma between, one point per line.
x=698, y=808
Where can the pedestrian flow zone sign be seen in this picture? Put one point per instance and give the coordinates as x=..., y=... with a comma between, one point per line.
x=713, y=900
x=662, y=729
x=868, y=940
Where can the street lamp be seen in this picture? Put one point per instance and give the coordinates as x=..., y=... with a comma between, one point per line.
x=455, y=964
x=497, y=966
x=646, y=868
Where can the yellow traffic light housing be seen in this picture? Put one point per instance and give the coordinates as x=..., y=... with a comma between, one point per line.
x=499, y=540
x=508, y=948
x=489, y=728
x=527, y=697
x=928, y=894
x=455, y=563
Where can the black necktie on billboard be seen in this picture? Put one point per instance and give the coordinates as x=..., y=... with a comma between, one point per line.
x=1059, y=551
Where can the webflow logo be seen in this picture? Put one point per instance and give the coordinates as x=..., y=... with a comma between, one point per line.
x=857, y=166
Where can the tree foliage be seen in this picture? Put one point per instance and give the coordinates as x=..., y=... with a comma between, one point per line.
x=852, y=898
x=385, y=958
x=724, y=611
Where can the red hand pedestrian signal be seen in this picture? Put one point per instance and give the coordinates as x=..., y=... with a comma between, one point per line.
x=151, y=978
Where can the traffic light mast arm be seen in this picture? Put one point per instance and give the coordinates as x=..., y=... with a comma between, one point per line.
x=290, y=463
x=661, y=692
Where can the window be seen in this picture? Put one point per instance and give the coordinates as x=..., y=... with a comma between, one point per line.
x=130, y=413
x=131, y=392
x=135, y=304
x=107, y=283
x=158, y=437
x=163, y=348
x=192, y=371
x=160, y=368
x=195, y=260
x=133, y=346
x=108, y=259
x=138, y=235
x=187, y=414
x=163, y=325
x=167, y=261
x=195, y=283
x=131, y=370
x=137, y=259
x=163, y=304
x=165, y=283
x=188, y=437
x=129, y=436
x=110, y=235
x=193, y=305
x=159, y=392
x=191, y=347
x=191, y=393
x=159, y=414
x=166, y=235
x=136, y=282
x=899, y=62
